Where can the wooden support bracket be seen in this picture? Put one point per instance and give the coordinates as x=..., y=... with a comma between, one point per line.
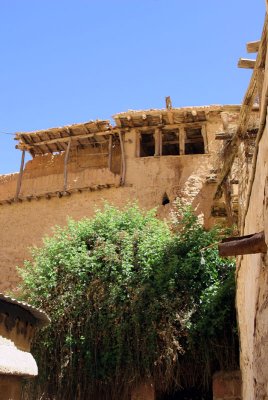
x=250, y=244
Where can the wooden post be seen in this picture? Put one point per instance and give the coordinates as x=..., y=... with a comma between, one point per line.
x=205, y=139
x=123, y=160
x=157, y=141
x=138, y=143
x=110, y=149
x=65, y=165
x=20, y=175
x=182, y=140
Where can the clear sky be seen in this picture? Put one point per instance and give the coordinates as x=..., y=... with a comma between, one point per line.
x=68, y=61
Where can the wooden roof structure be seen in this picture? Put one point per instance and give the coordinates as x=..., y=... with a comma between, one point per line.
x=81, y=135
x=56, y=139
x=168, y=117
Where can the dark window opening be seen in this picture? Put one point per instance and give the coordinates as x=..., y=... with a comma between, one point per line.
x=165, y=200
x=147, y=145
x=194, y=142
x=170, y=144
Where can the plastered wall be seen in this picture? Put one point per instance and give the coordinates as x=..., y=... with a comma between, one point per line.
x=252, y=289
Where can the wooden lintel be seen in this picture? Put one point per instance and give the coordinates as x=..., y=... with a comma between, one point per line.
x=246, y=63
x=250, y=244
x=253, y=47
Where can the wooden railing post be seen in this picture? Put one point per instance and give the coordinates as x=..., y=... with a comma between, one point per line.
x=65, y=165
x=123, y=171
x=20, y=175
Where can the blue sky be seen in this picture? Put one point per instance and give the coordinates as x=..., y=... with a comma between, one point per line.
x=68, y=61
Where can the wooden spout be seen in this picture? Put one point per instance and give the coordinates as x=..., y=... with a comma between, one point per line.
x=250, y=244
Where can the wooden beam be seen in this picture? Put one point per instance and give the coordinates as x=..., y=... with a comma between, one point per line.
x=253, y=47
x=65, y=165
x=110, y=149
x=246, y=63
x=223, y=136
x=123, y=160
x=250, y=244
x=20, y=175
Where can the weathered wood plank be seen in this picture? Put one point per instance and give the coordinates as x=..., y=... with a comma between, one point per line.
x=246, y=63
x=253, y=47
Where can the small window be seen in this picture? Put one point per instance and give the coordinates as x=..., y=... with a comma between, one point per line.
x=147, y=145
x=170, y=144
x=194, y=142
x=165, y=200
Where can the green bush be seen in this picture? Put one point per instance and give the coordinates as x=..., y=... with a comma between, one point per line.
x=129, y=298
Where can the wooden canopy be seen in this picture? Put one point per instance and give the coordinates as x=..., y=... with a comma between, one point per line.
x=57, y=139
